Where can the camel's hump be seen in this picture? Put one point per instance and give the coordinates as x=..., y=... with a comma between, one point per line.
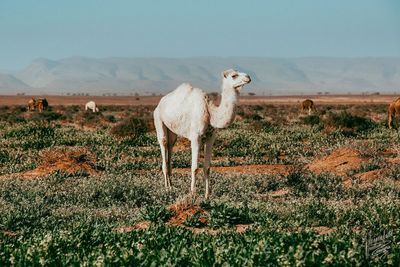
x=184, y=87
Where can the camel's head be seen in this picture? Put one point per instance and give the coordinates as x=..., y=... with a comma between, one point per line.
x=235, y=79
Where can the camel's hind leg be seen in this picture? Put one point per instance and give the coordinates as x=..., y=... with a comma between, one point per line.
x=207, y=161
x=171, y=142
x=391, y=111
x=390, y=120
x=195, y=145
x=162, y=137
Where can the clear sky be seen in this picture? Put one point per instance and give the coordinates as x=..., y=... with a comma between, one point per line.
x=57, y=29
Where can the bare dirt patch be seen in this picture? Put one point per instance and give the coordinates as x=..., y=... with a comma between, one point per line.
x=339, y=162
x=393, y=160
x=279, y=193
x=181, y=144
x=144, y=225
x=323, y=230
x=241, y=228
x=184, y=209
x=8, y=233
x=273, y=169
x=66, y=160
x=276, y=196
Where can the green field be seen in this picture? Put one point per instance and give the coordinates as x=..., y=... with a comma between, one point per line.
x=54, y=213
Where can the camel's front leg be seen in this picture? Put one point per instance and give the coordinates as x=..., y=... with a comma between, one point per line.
x=195, y=144
x=162, y=137
x=207, y=161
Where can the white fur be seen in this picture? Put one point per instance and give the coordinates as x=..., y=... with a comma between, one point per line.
x=189, y=113
x=92, y=106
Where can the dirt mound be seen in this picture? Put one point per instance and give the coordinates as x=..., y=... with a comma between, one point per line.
x=63, y=159
x=183, y=210
x=249, y=169
x=339, y=162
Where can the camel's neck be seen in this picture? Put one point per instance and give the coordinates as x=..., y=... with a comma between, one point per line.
x=223, y=115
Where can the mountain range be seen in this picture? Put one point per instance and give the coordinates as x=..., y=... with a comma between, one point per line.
x=126, y=76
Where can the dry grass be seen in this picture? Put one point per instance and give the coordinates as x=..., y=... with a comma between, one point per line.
x=66, y=160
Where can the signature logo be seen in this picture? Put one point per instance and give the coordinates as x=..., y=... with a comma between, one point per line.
x=378, y=246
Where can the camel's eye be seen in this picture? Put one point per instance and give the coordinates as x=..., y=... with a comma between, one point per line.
x=234, y=76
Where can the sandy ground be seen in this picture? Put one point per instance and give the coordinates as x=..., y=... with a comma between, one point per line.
x=153, y=100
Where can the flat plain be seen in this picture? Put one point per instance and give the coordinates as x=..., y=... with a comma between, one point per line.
x=288, y=188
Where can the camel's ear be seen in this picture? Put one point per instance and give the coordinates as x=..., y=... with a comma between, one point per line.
x=226, y=73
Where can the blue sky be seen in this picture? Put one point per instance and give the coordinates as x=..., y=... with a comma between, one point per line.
x=185, y=28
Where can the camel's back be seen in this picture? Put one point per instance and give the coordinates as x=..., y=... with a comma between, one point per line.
x=91, y=104
x=307, y=103
x=183, y=109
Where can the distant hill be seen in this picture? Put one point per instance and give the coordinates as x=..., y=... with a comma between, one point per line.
x=160, y=75
x=9, y=84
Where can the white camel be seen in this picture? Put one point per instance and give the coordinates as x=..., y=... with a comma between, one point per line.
x=92, y=106
x=188, y=112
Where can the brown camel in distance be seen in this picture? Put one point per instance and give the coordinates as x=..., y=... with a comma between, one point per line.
x=308, y=104
x=393, y=109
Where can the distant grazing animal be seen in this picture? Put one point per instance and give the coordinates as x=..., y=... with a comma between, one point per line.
x=308, y=104
x=31, y=104
x=92, y=106
x=41, y=104
x=393, y=109
x=188, y=112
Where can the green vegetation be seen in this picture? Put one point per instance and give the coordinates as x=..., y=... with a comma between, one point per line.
x=72, y=218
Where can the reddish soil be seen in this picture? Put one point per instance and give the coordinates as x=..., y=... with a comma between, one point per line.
x=181, y=144
x=394, y=160
x=248, y=100
x=323, y=230
x=249, y=169
x=339, y=162
x=276, y=196
x=184, y=209
x=144, y=225
x=181, y=214
x=241, y=228
x=66, y=160
x=279, y=193
x=7, y=233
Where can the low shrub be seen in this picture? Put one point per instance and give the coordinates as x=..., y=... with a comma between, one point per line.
x=349, y=123
x=130, y=127
x=155, y=214
x=223, y=215
x=311, y=120
x=47, y=116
